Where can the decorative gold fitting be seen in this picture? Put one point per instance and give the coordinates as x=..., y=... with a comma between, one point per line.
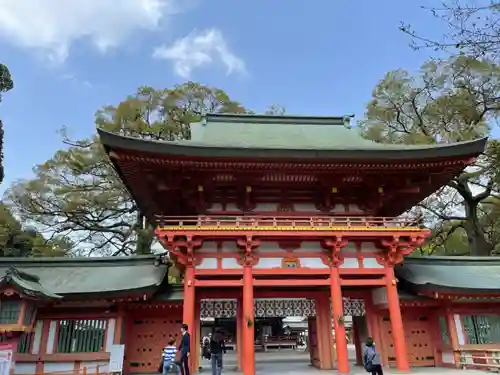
x=249, y=189
x=334, y=190
x=200, y=188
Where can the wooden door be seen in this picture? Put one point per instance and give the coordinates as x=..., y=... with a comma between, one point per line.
x=146, y=340
x=419, y=340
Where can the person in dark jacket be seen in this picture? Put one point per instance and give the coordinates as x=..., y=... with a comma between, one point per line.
x=184, y=349
x=371, y=359
x=217, y=348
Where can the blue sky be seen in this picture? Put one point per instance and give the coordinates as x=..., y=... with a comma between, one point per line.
x=69, y=58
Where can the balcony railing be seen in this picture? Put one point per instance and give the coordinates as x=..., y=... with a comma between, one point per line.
x=280, y=223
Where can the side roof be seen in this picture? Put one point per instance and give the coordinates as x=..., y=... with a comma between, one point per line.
x=78, y=276
x=452, y=274
x=290, y=137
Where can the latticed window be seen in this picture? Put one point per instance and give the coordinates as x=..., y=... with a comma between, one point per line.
x=81, y=335
x=9, y=311
x=482, y=329
x=445, y=338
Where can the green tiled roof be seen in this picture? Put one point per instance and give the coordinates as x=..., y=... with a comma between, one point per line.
x=73, y=276
x=285, y=136
x=471, y=274
x=26, y=283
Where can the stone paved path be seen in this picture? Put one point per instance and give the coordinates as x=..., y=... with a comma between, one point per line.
x=293, y=363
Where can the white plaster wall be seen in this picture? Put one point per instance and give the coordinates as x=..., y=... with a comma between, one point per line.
x=460, y=332
x=447, y=357
x=350, y=263
x=37, y=337
x=230, y=263
x=52, y=337
x=25, y=368
x=312, y=263
x=207, y=264
x=110, y=335
x=58, y=366
x=268, y=263
x=371, y=262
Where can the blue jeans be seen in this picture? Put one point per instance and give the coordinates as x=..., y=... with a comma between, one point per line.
x=216, y=363
x=167, y=365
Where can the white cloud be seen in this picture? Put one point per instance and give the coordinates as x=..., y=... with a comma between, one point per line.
x=52, y=26
x=199, y=49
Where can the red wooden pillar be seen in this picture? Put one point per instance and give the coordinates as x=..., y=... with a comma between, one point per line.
x=248, y=322
x=324, y=332
x=239, y=336
x=398, y=334
x=188, y=311
x=453, y=335
x=338, y=321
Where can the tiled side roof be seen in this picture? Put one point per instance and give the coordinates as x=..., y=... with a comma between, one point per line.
x=472, y=274
x=69, y=276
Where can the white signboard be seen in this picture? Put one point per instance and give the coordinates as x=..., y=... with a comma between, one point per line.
x=6, y=354
x=117, y=353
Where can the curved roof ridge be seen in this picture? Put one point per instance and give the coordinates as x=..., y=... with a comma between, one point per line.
x=277, y=119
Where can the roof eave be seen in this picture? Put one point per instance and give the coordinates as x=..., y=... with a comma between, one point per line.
x=112, y=141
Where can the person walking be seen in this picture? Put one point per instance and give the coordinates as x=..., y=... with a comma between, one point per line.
x=169, y=354
x=217, y=348
x=185, y=349
x=371, y=359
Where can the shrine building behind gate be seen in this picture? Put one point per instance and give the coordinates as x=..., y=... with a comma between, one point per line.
x=284, y=216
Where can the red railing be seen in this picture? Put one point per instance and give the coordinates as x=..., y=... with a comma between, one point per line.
x=283, y=222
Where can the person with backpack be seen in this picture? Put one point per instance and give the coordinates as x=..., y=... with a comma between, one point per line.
x=371, y=359
x=168, y=358
x=217, y=348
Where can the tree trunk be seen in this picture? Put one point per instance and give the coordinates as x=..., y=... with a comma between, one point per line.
x=145, y=236
x=478, y=244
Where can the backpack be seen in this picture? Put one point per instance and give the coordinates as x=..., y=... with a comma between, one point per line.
x=369, y=362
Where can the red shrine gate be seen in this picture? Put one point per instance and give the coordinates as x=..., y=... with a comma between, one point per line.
x=283, y=253
x=280, y=203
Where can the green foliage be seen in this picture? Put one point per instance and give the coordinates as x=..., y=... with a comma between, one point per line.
x=448, y=101
x=16, y=241
x=6, y=84
x=471, y=28
x=78, y=193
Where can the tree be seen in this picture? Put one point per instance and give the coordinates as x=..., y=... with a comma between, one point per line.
x=77, y=192
x=473, y=28
x=6, y=84
x=276, y=110
x=451, y=100
x=16, y=241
